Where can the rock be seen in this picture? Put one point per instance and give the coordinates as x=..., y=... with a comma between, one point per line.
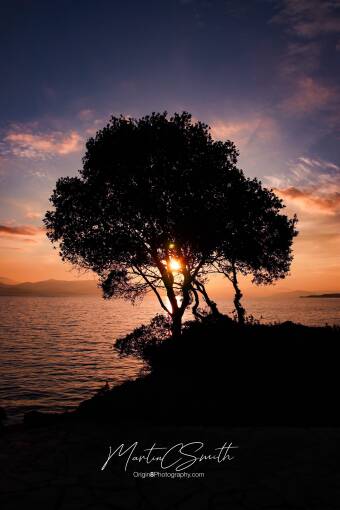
x=37, y=419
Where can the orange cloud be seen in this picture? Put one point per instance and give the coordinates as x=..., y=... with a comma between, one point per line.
x=23, y=230
x=33, y=215
x=29, y=241
x=311, y=199
x=39, y=146
x=309, y=96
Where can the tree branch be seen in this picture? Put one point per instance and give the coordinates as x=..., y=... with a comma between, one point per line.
x=160, y=300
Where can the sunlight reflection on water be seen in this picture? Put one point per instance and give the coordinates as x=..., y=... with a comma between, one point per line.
x=55, y=352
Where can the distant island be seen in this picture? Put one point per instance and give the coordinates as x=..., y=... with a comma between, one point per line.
x=337, y=295
x=50, y=288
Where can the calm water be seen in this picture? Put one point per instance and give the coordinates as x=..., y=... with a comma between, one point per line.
x=55, y=352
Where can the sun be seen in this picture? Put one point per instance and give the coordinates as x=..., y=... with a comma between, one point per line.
x=175, y=265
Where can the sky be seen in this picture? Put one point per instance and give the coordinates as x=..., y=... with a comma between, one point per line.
x=263, y=73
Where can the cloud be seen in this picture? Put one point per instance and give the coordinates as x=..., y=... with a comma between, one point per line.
x=309, y=18
x=30, y=145
x=29, y=241
x=34, y=215
x=308, y=172
x=23, y=230
x=39, y=174
x=311, y=189
x=319, y=163
x=301, y=57
x=86, y=114
x=311, y=27
x=310, y=96
x=96, y=124
x=313, y=185
x=311, y=200
x=243, y=132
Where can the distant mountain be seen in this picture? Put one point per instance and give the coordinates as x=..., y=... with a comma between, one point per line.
x=288, y=294
x=7, y=281
x=51, y=288
x=336, y=295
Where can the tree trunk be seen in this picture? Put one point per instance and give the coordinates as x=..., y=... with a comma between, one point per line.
x=237, y=299
x=176, y=323
x=212, y=305
x=176, y=312
x=194, y=309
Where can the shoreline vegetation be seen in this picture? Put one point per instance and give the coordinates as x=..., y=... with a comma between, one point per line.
x=218, y=372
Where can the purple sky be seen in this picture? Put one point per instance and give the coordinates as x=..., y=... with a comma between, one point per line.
x=264, y=74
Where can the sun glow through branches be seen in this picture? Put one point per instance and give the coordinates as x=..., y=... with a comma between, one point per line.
x=174, y=265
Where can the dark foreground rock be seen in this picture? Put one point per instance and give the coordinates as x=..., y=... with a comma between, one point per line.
x=271, y=391
x=220, y=373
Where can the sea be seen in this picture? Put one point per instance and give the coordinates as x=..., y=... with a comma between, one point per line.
x=57, y=351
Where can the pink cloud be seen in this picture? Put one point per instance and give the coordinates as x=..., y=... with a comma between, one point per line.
x=301, y=57
x=96, y=124
x=39, y=146
x=241, y=132
x=308, y=25
x=309, y=18
x=309, y=96
x=313, y=185
x=86, y=114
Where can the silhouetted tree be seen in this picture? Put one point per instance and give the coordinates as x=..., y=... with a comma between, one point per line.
x=158, y=205
x=145, y=211
x=257, y=242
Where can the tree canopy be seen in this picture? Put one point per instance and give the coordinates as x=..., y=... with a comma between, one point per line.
x=258, y=242
x=158, y=205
